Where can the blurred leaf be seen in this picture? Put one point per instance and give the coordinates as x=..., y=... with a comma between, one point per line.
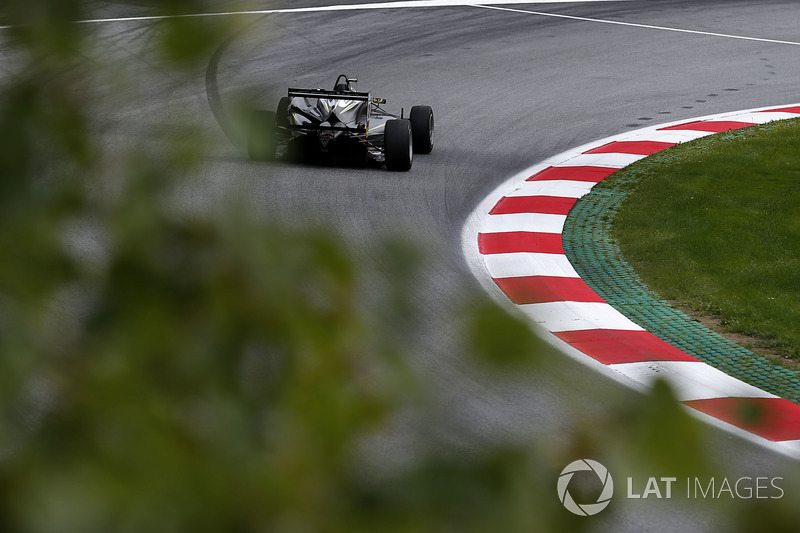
x=499, y=338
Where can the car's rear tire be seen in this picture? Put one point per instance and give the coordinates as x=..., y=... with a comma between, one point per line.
x=422, y=128
x=282, y=113
x=398, y=146
x=261, y=136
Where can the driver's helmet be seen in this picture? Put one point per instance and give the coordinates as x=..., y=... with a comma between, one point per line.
x=341, y=87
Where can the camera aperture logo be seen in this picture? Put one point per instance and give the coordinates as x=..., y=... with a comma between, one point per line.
x=585, y=509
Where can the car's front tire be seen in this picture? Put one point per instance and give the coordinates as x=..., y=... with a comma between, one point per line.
x=398, y=145
x=421, y=118
x=261, y=136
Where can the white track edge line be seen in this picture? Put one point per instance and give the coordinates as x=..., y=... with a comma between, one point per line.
x=401, y=4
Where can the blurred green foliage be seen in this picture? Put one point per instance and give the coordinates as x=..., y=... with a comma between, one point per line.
x=221, y=374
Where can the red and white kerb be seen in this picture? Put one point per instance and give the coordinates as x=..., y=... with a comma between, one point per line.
x=519, y=229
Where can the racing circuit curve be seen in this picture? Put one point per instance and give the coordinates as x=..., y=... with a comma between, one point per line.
x=710, y=383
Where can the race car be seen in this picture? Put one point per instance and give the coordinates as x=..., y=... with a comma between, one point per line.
x=340, y=126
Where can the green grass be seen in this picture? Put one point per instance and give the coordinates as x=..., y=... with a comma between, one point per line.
x=715, y=225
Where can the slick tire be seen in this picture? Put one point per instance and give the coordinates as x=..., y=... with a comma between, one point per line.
x=422, y=123
x=398, y=146
x=261, y=136
x=282, y=113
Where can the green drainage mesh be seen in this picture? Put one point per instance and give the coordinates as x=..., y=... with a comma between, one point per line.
x=597, y=259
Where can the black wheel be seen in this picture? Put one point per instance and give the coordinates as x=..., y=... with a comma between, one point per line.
x=282, y=113
x=397, y=144
x=422, y=128
x=261, y=136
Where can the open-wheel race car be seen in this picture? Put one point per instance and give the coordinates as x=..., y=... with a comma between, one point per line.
x=340, y=126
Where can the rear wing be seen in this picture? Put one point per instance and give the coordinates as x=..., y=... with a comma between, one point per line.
x=328, y=95
x=309, y=108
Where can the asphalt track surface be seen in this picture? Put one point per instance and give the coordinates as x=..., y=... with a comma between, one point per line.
x=509, y=89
